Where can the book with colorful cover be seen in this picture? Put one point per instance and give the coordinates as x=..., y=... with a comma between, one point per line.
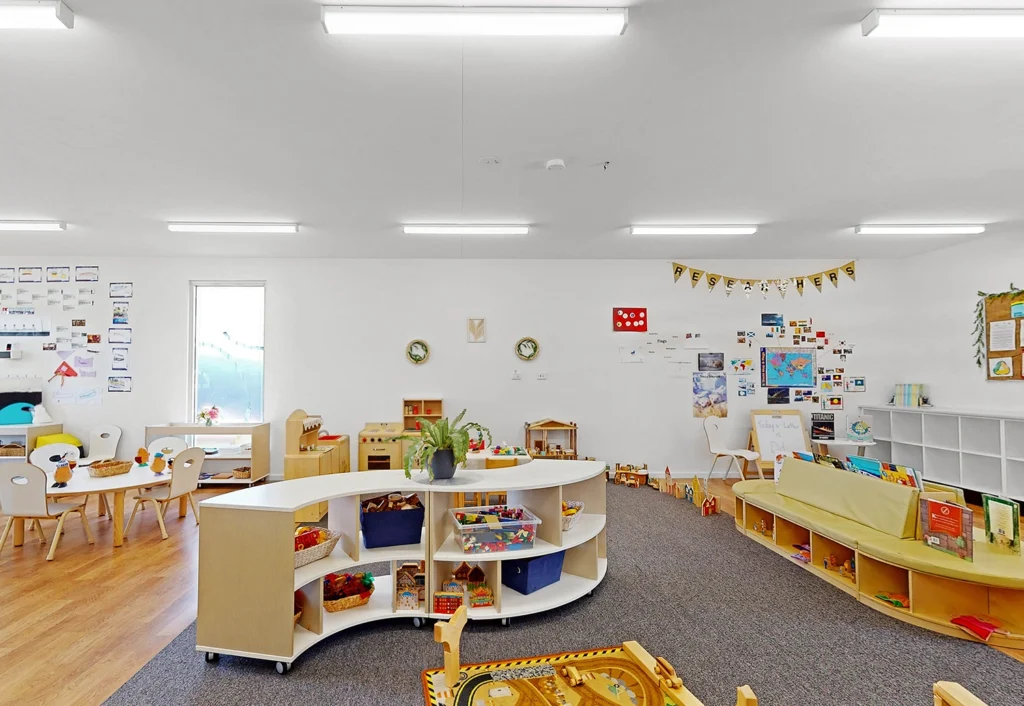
x=1002, y=523
x=859, y=429
x=823, y=426
x=948, y=527
x=902, y=475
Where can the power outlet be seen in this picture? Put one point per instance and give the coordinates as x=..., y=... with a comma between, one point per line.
x=516, y=375
x=542, y=376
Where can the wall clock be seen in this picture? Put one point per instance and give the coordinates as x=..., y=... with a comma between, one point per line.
x=527, y=348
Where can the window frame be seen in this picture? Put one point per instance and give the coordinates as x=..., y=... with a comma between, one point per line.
x=191, y=410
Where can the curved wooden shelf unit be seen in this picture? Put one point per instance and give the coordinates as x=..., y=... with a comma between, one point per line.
x=934, y=600
x=247, y=577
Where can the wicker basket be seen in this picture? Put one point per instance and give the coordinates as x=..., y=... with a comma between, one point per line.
x=298, y=616
x=569, y=521
x=12, y=449
x=242, y=472
x=347, y=602
x=105, y=469
x=308, y=556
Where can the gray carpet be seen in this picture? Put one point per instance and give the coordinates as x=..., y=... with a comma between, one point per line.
x=722, y=609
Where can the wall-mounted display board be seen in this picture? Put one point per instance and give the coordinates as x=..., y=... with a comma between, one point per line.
x=777, y=432
x=1004, y=314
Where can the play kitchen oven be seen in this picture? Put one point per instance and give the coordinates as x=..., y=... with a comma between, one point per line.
x=379, y=449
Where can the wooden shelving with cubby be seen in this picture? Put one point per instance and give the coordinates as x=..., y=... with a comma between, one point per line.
x=249, y=534
x=430, y=408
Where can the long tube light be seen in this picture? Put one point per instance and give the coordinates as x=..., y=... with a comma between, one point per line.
x=177, y=227
x=475, y=21
x=25, y=226
x=919, y=230
x=963, y=24
x=693, y=230
x=35, y=14
x=466, y=230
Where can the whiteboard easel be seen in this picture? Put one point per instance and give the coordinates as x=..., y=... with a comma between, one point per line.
x=777, y=431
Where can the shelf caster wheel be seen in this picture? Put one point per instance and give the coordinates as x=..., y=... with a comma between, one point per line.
x=590, y=594
x=282, y=667
x=418, y=622
x=505, y=622
x=211, y=656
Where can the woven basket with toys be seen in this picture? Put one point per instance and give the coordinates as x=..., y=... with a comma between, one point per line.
x=572, y=510
x=344, y=591
x=105, y=469
x=313, y=544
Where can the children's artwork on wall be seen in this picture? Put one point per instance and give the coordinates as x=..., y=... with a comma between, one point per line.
x=778, y=395
x=119, y=383
x=742, y=365
x=711, y=362
x=855, y=384
x=788, y=367
x=121, y=290
x=119, y=359
x=1000, y=367
x=120, y=312
x=87, y=273
x=626, y=319
x=745, y=386
x=476, y=331
x=30, y=274
x=7, y=275
x=119, y=335
x=832, y=402
x=710, y=395
x=58, y=274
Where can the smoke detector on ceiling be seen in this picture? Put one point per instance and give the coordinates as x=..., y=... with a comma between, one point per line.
x=555, y=165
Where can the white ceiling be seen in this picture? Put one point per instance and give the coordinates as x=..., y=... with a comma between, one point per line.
x=726, y=111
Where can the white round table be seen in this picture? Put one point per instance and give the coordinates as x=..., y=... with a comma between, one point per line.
x=82, y=483
x=477, y=460
x=861, y=445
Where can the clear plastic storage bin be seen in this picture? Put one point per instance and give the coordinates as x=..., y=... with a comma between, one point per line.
x=498, y=528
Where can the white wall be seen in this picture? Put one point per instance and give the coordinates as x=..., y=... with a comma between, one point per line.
x=337, y=330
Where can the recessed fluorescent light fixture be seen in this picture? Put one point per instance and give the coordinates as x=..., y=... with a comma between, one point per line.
x=32, y=225
x=466, y=230
x=919, y=230
x=233, y=227
x=969, y=24
x=475, y=21
x=693, y=230
x=35, y=14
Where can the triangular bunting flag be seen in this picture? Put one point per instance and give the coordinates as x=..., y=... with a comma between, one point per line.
x=817, y=279
x=798, y=282
x=748, y=287
x=765, y=288
x=695, y=276
x=730, y=283
x=678, y=270
x=783, y=285
x=850, y=268
x=712, y=279
x=833, y=277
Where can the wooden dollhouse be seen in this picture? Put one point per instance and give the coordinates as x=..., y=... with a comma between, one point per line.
x=410, y=586
x=449, y=599
x=631, y=476
x=538, y=445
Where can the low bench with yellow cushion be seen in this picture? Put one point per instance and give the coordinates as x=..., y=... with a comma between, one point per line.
x=879, y=522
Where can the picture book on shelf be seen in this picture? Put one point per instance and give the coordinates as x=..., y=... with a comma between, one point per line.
x=948, y=527
x=1002, y=523
x=859, y=428
x=823, y=426
x=902, y=475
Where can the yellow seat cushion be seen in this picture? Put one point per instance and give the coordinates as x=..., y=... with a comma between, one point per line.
x=886, y=507
x=57, y=439
x=815, y=519
x=745, y=487
x=989, y=567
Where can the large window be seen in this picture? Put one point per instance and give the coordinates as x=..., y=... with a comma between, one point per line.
x=227, y=353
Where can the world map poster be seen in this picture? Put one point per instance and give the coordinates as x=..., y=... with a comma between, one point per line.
x=788, y=367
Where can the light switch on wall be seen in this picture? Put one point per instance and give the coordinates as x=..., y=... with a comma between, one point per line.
x=516, y=375
x=542, y=376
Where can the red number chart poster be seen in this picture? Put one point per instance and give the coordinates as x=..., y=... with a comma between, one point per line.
x=629, y=319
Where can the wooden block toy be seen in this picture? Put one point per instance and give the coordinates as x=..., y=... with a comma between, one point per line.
x=949, y=693
x=745, y=696
x=709, y=506
x=572, y=676
x=668, y=675
x=631, y=476
x=448, y=635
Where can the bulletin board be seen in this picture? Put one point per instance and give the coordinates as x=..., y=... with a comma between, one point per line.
x=1005, y=310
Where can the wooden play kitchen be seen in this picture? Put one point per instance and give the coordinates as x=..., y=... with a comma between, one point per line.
x=379, y=446
x=307, y=454
x=250, y=533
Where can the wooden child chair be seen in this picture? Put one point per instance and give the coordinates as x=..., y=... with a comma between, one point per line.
x=184, y=482
x=500, y=498
x=23, y=497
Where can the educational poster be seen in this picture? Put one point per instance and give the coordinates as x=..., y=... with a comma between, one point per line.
x=87, y=273
x=710, y=395
x=121, y=290
x=1000, y=367
x=741, y=365
x=856, y=384
x=859, y=428
x=120, y=313
x=626, y=319
x=6, y=275
x=778, y=395
x=631, y=354
x=119, y=359
x=119, y=335
x=832, y=402
x=86, y=296
x=745, y=386
x=694, y=341
x=30, y=274
x=664, y=347
x=788, y=367
x=711, y=362
x=1002, y=335
x=823, y=426
x=119, y=383
x=58, y=274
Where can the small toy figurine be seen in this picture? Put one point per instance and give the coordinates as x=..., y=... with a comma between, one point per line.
x=142, y=457
x=62, y=473
x=159, y=463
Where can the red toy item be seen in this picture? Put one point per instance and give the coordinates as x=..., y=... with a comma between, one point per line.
x=979, y=626
x=307, y=540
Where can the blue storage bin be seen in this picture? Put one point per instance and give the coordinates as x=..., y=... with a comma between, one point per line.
x=391, y=529
x=529, y=575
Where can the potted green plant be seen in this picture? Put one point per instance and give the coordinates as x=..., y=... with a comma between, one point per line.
x=441, y=446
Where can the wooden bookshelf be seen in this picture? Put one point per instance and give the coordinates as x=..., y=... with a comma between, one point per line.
x=429, y=408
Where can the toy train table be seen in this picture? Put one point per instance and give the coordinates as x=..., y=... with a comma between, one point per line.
x=614, y=676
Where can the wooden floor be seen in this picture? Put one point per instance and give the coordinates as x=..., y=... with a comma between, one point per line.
x=74, y=629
